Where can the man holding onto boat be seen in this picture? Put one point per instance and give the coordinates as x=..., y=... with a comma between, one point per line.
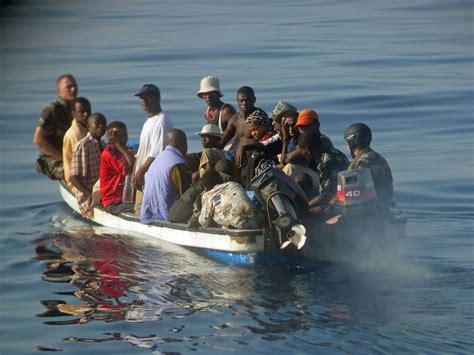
x=167, y=179
x=54, y=121
x=358, y=137
x=152, y=138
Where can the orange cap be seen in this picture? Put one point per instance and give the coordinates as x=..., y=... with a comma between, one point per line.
x=306, y=117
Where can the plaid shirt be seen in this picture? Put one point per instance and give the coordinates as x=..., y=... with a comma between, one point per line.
x=86, y=164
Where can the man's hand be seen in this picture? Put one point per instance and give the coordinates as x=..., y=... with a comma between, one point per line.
x=138, y=179
x=193, y=222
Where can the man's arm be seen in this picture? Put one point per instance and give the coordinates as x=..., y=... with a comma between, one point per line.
x=139, y=177
x=230, y=131
x=41, y=140
x=247, y=144
x=77, y=182
x=227, y=112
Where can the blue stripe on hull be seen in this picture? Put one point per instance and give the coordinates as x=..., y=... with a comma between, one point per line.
x=287, y=257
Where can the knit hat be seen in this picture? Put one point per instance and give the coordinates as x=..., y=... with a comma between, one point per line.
x=209, y=84
x=259, y=117
x=210, y=130
x=281, y=107
x=306, y=117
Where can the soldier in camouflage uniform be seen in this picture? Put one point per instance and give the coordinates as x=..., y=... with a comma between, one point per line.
x=53, y=123
x=327, y=161
x=358, y=137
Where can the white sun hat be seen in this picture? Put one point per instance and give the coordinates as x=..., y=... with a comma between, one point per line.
x=208, y=84
x=210, y=130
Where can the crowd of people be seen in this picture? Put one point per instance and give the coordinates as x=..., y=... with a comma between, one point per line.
x=162, y=181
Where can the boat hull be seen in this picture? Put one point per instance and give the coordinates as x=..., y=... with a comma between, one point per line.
x=254, y=246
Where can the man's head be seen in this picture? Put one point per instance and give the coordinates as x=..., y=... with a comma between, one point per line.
x=210, y=90
x=210, y=136
x=210, y=179
x=66, y=87
x=117, y=132
x=307, y=118
x=81, y=110
x=258, y=123
x=96, y=125
x=357, y=136
x=280, y=107
x=309, y=142
x=177, y=139
x=289, y=118
x=226, y=168
x=150, y=98
x=246, y=100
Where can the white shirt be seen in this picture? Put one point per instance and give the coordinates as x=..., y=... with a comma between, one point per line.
x=152, y=138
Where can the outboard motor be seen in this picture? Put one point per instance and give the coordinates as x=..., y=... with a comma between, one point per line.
x=355, y=192
x=283, y=200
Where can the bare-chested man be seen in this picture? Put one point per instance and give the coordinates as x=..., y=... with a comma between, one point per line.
x=237, y=127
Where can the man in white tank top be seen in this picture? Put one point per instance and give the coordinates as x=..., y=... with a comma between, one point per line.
x=217, y=113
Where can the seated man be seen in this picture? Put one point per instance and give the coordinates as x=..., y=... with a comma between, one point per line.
x=53, y=123
x=358, y=137
x=327, y=163
x=210, y=140
x=167, y=179
x=224, y=204
x=182, y=210
x=85, y=165
x=116, y=163
x=77, y=131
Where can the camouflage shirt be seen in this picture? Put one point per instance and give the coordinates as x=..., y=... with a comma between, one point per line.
x=332, y=162
x=55, y=119
x=381, y=174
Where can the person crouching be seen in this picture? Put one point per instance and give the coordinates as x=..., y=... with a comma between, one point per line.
x=224, y=204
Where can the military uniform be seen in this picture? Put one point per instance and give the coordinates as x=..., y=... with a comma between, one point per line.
x=381, y=174
x=55, y=119
x=332, y=162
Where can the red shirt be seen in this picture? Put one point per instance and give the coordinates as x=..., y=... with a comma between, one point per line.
x=113, y=167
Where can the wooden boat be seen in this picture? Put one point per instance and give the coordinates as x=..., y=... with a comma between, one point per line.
x=238, y=246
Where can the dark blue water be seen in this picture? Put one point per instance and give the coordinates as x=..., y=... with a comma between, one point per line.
x=403, y=68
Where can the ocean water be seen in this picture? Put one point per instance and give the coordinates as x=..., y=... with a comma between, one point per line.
x=404, y=68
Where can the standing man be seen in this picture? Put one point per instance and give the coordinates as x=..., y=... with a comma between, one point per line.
x=217, y=113
x=54, y=121
x=358, y=137
x=237, y=126
x=152, y=138
x=168, y=178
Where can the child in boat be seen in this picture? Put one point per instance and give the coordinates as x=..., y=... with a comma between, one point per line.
x=77, y=131
x=85, y=165
x=116, y=163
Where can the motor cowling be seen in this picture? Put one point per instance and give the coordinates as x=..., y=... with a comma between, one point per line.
x=284, y=201
x=356, y=191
